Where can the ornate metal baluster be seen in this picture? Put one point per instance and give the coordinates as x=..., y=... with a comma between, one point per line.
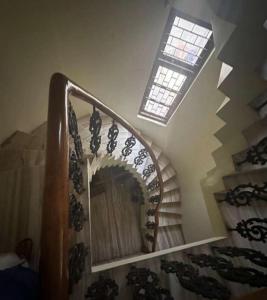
x=150, y=225
x=190, y=279
x=253, y=229
x=153, y=185
x=146, y=285
x=112, y=136
x=154, y=199
x=256, y=154
x=244, y=194
x=77, y=257
x=94, y=128
x=151, y=212
x=129, y=144
x=149, y=238
x=148, y=171
x=254, y=256
x=73, y=126
x=73, y=130
x=142, y=155
x=77, y=216
x=227, y=270
x=75, y=172
x=103, y=289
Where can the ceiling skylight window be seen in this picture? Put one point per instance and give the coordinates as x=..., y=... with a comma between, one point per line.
x=185, y=46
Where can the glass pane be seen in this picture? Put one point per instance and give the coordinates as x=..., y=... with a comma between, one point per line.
x=162, y=95
x=186, y=41
x=169, y=79
x=186, y=24
x=156, y=108
x=201, y=30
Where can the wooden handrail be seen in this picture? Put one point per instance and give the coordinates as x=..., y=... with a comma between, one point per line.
x=55, y=229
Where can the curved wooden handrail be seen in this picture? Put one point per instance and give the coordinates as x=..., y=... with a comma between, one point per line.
x=55, y=230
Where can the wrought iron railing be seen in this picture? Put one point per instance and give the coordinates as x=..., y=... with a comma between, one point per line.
x=64, y=183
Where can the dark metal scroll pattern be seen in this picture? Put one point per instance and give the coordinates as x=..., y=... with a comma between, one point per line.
x=190, y=279
x=103, y=289
x=148, y=171
x=73, y=131
x=77, y=257
x=256, y=257
x=112, y=136
x=153, y=185
x=75, y=172
x=77, y=216
x=154, y=199
x=151, y=212
x=150, y=225
x=146, y=285
x=142, y=155
x=149, y=238
x=244, y=194
x=94, y=128
x=129, y=144
x=226, y=270
x=256, y=155
x=253, y=229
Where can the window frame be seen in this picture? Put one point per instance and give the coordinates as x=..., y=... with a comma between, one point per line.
x=176, y=65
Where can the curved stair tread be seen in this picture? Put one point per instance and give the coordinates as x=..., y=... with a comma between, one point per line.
x=170, y=208
x=170, y=236
x=11, y=158
x=256, y=131
x=253, y=176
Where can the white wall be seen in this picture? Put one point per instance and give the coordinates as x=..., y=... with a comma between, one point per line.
x=108, y=47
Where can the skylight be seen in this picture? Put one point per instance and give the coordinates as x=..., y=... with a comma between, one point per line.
x=185, y=45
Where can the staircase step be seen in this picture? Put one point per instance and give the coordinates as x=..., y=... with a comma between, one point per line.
x=21, y=140
x=256, y=132
x=173, y=207
x=10, y=159
x=171, y=197
x=166, y=219
x=169, y=236
x=163, y=162
x=168, y=173
x=156, y=150
x=259, y=104
x=253, y=176
x=241, y=157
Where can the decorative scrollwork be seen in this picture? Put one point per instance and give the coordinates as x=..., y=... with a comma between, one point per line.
x=148, y=171
x=73, y=130
x=112, y=136
x=244, y=194
x=129, y=144
x=73, y=126
x=150, y=225
x=75, y=173
x=103, y=289
x=76, y=211
x=227, y=270
x=154, y=199
x=254, y=256
x=146, y=285
x=142, y=155
x=253, y=229
x=257, y=154
x=149, y=238
x=77, y=257
x=94, y=128
x=151, y=212
x=153, y=185
x=190, y=279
